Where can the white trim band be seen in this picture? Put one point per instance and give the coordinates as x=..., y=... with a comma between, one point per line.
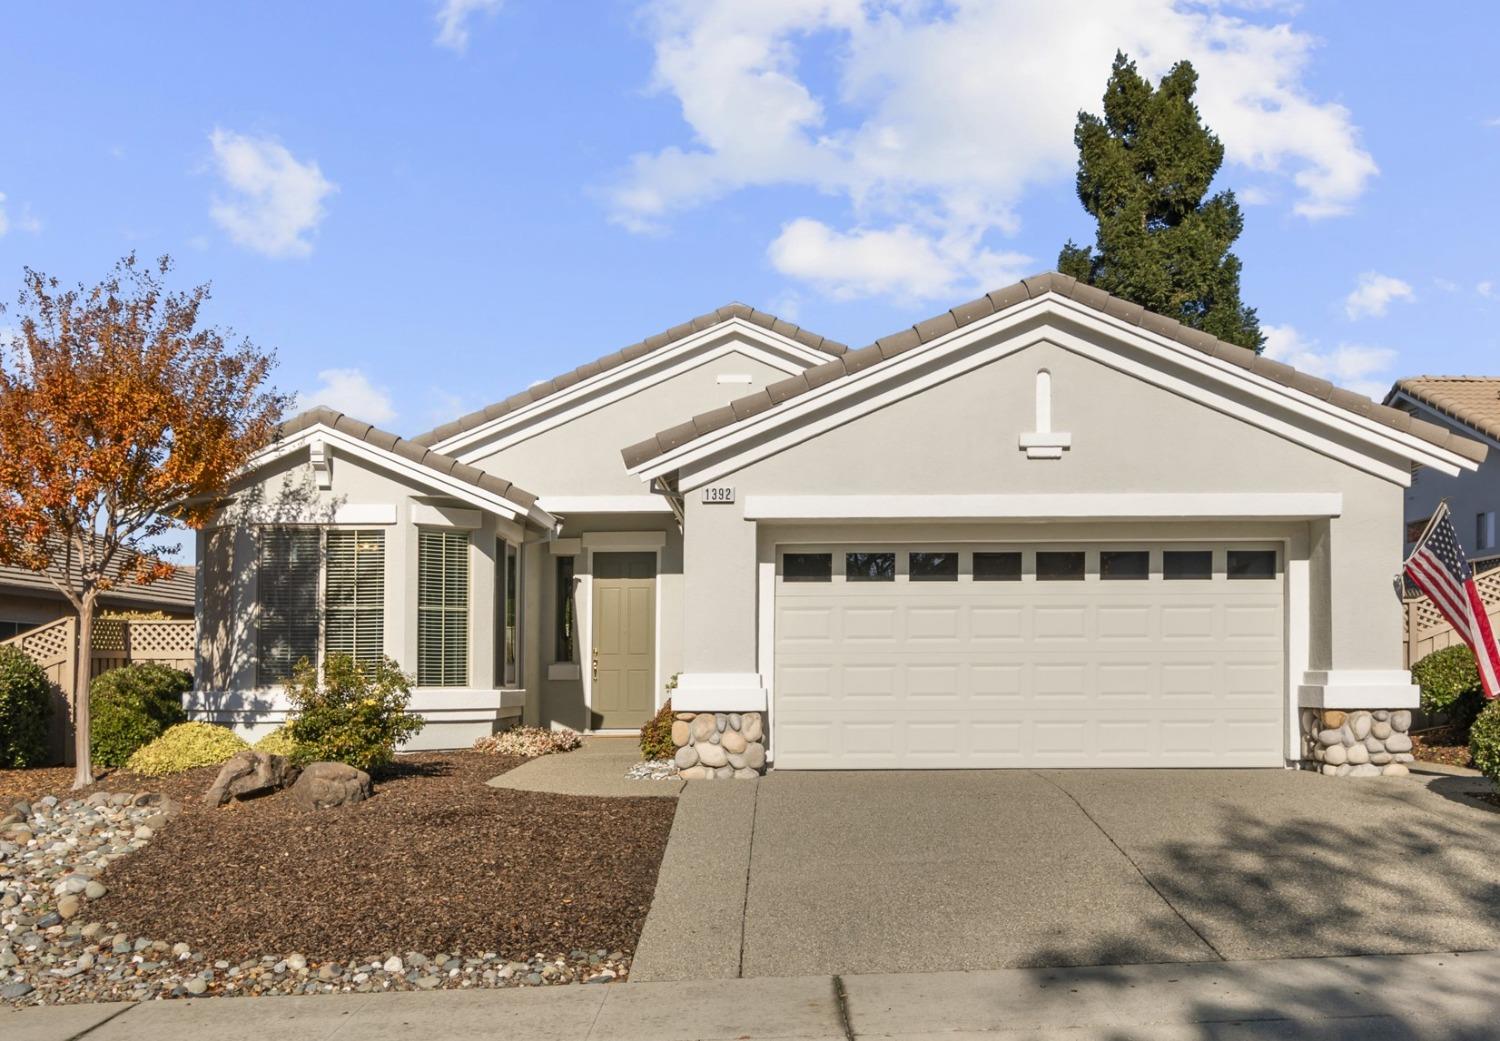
x=1358, y=689
x=1078, y=505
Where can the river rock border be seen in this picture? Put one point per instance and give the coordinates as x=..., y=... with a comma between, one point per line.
x=1358, y=743
x=719, y=745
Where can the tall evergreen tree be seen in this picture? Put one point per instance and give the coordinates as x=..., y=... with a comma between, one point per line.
x=1143, y=171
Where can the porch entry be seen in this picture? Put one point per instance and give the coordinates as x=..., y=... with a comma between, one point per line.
x=623, y=656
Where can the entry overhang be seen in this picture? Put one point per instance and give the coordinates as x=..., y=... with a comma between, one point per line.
x=1069, y=506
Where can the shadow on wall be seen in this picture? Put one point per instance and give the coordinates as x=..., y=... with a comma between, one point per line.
x=227, y=633
x=1404, y=881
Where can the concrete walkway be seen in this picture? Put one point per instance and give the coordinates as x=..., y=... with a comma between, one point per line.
x=1391, y=998
x=598, y=768
x=903, y=872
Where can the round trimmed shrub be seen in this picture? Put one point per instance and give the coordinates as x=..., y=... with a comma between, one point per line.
x=132, y=706
x=1451, y=691
x=1484, y=741
x=185, y=746
x=656, y=736
x=25, y=710
x=354, y=712
x=278, y=742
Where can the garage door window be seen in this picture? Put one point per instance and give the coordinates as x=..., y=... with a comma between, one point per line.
x=870, y=567
x=1124, y=565
x=997, y=567
x=1059, y=567
x=932, y=567
x=1251, y=564
x=807, y=567
x=1187, y=564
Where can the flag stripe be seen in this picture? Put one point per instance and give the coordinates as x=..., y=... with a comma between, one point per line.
x=1437, y=566
x=1486, y=640
x=1443, y=594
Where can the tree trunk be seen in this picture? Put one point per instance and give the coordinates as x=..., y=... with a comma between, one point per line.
x=84, y=767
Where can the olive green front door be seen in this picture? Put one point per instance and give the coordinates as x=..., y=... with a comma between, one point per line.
x=623, y=666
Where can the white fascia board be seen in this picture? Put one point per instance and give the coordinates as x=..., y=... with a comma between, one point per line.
x=1365, y=430
x=604, y=388
x=565, y=504
x=1443, y=419
x=1068, y=506
x=353, y=446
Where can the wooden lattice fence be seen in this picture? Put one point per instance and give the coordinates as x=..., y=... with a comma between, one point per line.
x=117, y=641
x=1426, y=630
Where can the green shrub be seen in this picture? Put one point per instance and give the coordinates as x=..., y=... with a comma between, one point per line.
x=185, y=746
x=25, y=710
x=1484, y=741
x=1451, y=691
x=356, y=714
x=278, y=742
x=132, y=706
x=656, y=736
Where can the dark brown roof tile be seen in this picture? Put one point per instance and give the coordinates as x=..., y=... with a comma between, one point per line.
x=898, y=343
x=972, y=311
x=938, y=325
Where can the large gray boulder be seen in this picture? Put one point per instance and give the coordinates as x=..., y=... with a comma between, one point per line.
x=250, y=774
x=330, y=784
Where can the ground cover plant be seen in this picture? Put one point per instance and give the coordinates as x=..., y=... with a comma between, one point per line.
x=183, y=747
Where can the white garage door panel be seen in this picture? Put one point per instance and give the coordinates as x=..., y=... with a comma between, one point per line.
x=1150, y=672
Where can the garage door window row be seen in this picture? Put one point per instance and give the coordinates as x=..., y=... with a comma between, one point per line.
x=1115, y=565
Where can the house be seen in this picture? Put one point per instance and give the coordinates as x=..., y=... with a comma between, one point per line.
x=1044, y=528
x=29, y=599
x=1470, y=407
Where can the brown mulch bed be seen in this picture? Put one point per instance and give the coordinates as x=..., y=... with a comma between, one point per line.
x=436, y=861
x=32, y=784
x=1441, y=745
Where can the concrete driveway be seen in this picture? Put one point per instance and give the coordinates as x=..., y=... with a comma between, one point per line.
x=819, y=873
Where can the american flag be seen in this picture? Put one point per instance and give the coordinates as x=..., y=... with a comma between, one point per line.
x=1437, y=567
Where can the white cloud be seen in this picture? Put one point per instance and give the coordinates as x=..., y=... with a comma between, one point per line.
x=4, y=220
x=900, y=262
x=1350, y=365
x=25, y=222
x=1485, y=288
x=934, y=120
x=350, y=391
x=275, y=202
x=453, y=21
x=1374, y=294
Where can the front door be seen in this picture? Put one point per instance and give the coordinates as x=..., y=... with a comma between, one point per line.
x=623, y=669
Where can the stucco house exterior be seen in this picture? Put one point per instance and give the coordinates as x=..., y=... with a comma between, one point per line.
x=1470, y=407
x=1044, y=528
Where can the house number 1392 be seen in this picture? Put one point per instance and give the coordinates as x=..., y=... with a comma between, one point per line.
x=716, y=493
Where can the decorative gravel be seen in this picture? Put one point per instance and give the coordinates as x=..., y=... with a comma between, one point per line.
x=437, y=882
x=652, y=770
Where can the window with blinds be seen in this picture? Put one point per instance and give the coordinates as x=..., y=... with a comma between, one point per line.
x=287, y=592
x=442, y=608
x=354, y=594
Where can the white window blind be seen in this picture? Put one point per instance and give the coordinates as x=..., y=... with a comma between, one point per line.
x=442, y=608
x=287, y=591
x=354, y=594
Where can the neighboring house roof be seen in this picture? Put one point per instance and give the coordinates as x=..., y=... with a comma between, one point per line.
x=165, y=594
x=538, y=391
x=415, y=453
x=853, y=362
x=1471, y=400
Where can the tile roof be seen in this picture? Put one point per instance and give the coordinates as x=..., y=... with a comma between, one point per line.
x=165, y=594
x=410, y=450
x=537, y=391
x=853, y=362
x=1472, y=400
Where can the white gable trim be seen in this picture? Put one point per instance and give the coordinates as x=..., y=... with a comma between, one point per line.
x=1443, y=419
x=889, y=375
x=733, y=336
x=355, y=448
x=1065, y=506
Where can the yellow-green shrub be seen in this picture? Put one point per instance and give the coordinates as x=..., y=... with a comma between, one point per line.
x=183, y=747
x=278, y=742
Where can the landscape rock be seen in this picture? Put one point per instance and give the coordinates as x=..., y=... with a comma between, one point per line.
x=322, y=785
x=1399, y=743
x=680, y=732
x=1401, y=720
x=250, y=774
x=1359, y=725
x=703, y=726
x=713, y=756
x=686, y=756
x=732, y=742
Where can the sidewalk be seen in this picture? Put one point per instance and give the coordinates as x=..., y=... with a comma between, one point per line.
x=1382, y=998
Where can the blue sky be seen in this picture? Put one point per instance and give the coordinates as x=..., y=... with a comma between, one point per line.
x=426, y=206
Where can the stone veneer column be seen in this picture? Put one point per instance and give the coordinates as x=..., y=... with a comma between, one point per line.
x=719, y=745
x=1358, y=742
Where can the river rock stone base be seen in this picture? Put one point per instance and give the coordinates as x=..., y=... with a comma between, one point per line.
x=1357, y=743
x=719, y=745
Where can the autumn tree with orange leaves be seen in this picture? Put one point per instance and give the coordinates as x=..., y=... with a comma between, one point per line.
x=121, y=420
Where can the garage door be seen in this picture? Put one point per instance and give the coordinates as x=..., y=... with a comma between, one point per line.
x=952, y=656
